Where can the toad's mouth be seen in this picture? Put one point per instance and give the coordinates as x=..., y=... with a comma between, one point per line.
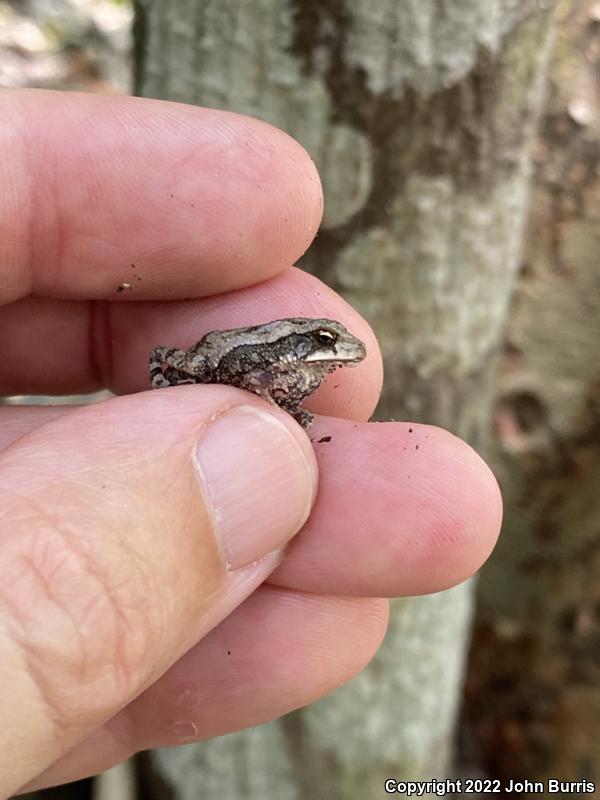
x=350, y=354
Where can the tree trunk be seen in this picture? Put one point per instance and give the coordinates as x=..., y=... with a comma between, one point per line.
x=535, y=655
x=419, y=116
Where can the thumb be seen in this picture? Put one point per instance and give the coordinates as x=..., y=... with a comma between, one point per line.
x=128, y=530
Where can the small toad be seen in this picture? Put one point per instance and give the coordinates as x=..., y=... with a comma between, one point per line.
x=283, y=361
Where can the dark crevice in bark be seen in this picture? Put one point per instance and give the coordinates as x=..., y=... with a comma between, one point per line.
x=150, y=783
x=78, y=790
x=310, y=775
x=451, y=133
x=139, y=39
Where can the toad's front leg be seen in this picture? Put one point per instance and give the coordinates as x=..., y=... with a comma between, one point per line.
x=174, y=360
x=303, y=417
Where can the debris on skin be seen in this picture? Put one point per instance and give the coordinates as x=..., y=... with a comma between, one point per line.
x=122, y=287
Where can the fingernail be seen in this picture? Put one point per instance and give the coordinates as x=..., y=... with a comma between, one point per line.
x=258, y=480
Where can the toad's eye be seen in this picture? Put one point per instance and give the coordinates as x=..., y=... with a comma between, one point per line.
x=325, y=337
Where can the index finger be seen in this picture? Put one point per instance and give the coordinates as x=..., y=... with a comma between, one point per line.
x=107, y=197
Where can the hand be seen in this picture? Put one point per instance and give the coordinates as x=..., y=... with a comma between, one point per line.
x=131, y=528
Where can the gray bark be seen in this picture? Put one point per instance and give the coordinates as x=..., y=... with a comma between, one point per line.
x=535, y=654
x=420, y=116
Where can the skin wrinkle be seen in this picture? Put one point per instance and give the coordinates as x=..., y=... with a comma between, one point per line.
x=156, y=598
x=153, y=596
x=44, y=571
x=36, y=670
x=141, y=725
x=18, y=165
x=45, y=195
x=37, y=661
x=117, y=625
x=36, y=664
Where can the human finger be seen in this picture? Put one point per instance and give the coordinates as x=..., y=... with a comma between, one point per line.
x=156, y=200
x=402, y=509
x=121, y=545
x=278, y=651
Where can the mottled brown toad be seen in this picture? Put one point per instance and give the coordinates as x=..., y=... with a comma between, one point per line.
x=283, y=361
